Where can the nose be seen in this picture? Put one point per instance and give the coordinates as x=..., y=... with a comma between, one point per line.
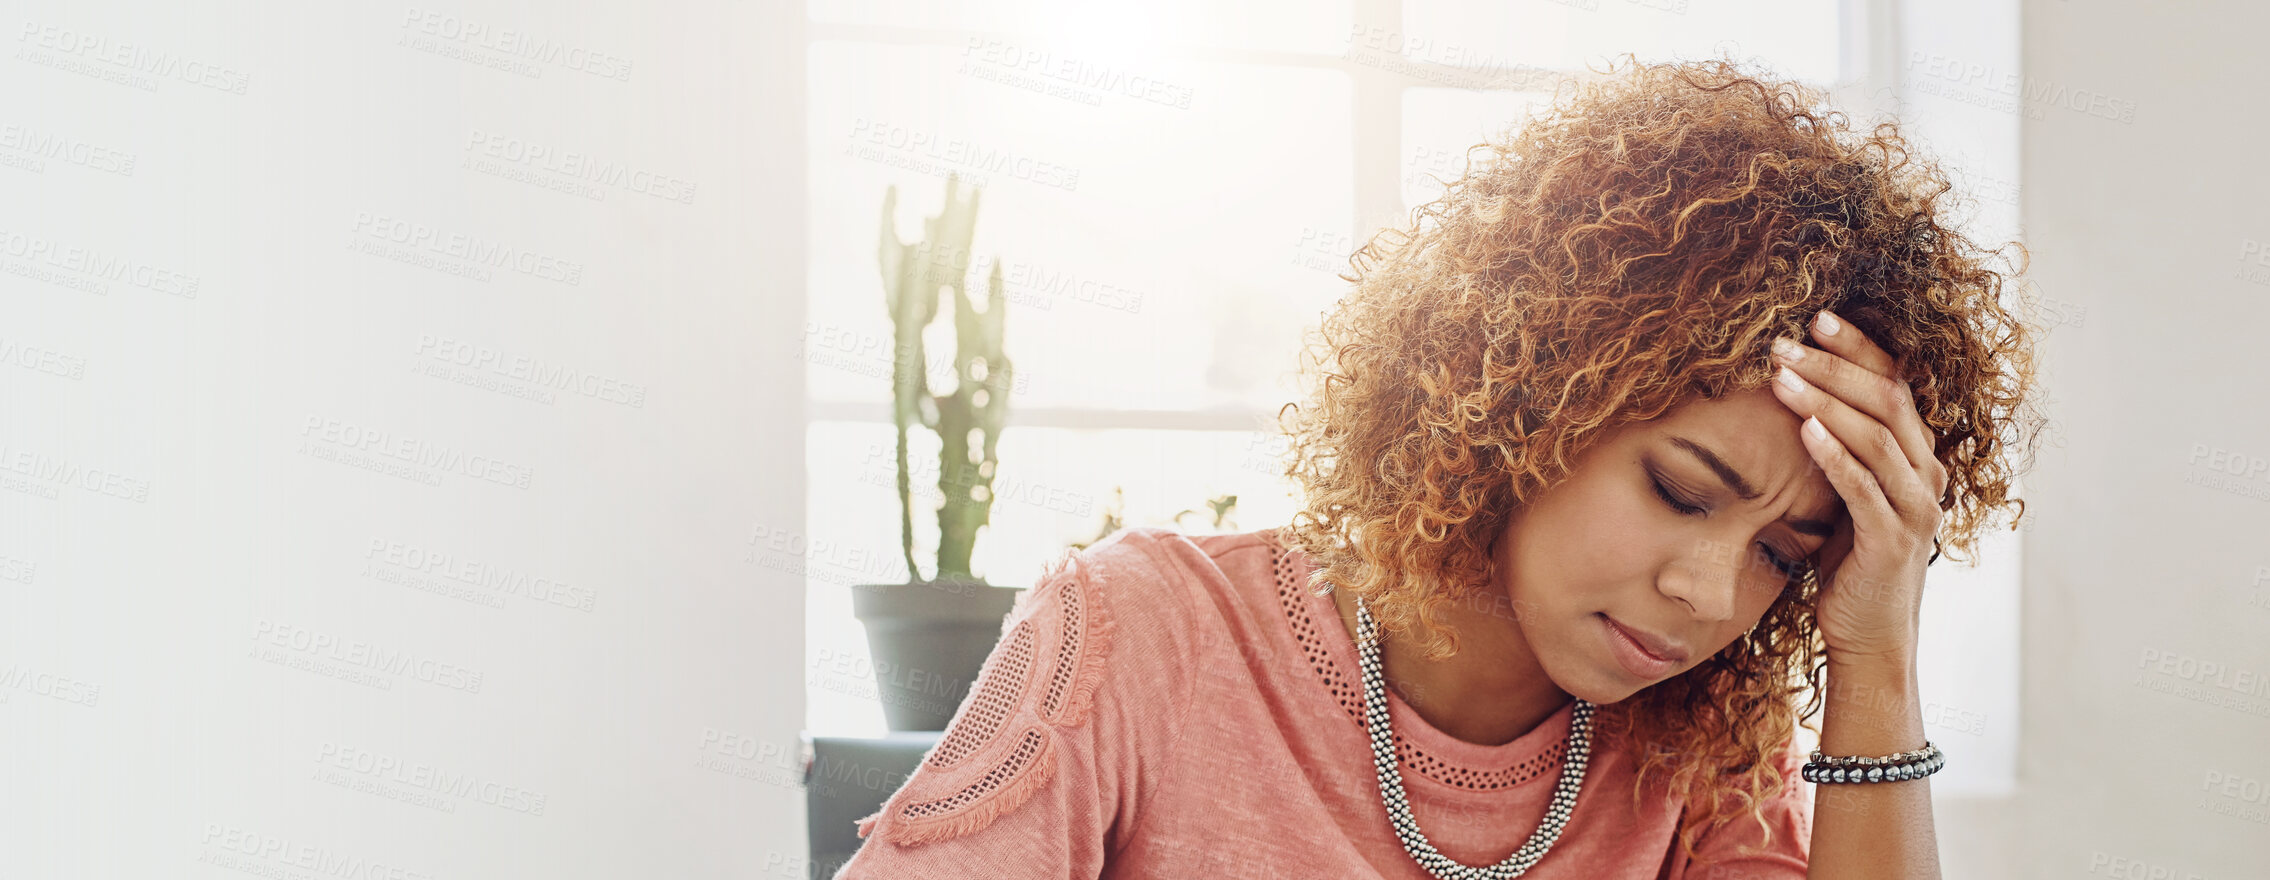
x=1706, y=581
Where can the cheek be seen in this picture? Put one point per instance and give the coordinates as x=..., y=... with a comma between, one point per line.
x=1755, y=603
x=1576, y=572
x=1574, y=552
x=1598, y=546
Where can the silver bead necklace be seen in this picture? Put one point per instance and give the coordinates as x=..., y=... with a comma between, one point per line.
x=1399, y=807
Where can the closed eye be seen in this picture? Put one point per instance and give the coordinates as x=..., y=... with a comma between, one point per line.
x=1665, y=493
x=1788, y=569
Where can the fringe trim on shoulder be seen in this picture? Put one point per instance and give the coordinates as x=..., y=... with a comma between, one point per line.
x=1069, y=572
x=888, y=825
x=1096, y=631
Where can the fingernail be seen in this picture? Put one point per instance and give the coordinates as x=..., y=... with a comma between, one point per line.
x=1790, y=380
x=1813, y=426
x=1788, y=349
x=1829, y=324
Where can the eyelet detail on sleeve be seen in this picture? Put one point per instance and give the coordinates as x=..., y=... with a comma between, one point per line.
x=1019, y=766
x=996, y=700
x=1000, y=747
x=1078, y=661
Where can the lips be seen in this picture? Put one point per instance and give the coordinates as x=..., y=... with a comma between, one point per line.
x=1656, y=646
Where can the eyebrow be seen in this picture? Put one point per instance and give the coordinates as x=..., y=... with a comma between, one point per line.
x=1820, y=528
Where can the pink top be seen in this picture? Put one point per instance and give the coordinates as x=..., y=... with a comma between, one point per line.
x=1173, y=706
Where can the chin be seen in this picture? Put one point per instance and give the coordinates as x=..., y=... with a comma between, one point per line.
x=1595, y=685
x=1604, y=694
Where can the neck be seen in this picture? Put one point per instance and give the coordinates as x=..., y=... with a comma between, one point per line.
x=1490, y=693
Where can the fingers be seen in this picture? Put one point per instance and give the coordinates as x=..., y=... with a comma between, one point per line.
x=1864, y=500
x=1860, y=437
x=1858, y=372
x=1830, y=333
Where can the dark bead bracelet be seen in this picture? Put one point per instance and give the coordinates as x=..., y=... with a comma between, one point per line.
x=1891, y=768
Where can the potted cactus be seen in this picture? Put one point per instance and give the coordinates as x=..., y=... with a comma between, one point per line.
x=930, y=636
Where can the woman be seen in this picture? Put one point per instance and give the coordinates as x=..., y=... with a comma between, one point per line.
x=1580, y=536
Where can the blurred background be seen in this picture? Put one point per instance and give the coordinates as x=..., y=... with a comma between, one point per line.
x=451, y=441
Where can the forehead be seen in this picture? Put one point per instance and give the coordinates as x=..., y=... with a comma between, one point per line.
x=1754, y=433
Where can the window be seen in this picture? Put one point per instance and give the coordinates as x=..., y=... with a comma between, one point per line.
x=1170, y=191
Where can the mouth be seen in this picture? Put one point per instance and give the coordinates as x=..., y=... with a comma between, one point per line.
x=1643, y=654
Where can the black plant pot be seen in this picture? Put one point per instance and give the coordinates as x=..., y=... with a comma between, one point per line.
x=928, y=641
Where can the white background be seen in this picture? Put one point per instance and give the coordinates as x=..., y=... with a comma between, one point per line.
x=196, y=609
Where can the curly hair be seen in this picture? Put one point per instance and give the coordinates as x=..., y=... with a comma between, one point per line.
x=1636, y=244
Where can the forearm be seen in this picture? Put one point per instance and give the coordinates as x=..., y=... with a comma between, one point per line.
x=1873, y=830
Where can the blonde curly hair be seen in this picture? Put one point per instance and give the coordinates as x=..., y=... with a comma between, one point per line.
x=1635, y=245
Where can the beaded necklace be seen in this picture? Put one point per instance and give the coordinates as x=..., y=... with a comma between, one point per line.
x=1399, y=807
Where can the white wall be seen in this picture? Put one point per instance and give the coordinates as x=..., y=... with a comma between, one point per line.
x=2146, y=215
x=1970, y=665
x=200, y=593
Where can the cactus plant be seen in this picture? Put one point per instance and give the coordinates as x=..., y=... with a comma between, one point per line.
x=969, y=419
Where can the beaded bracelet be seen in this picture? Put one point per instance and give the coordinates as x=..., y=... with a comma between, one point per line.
x=1890, y=768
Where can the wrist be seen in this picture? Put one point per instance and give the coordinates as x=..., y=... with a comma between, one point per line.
x=1892, y=656
x=1873, y=667
x=1871, y=686
x=1871, y=706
